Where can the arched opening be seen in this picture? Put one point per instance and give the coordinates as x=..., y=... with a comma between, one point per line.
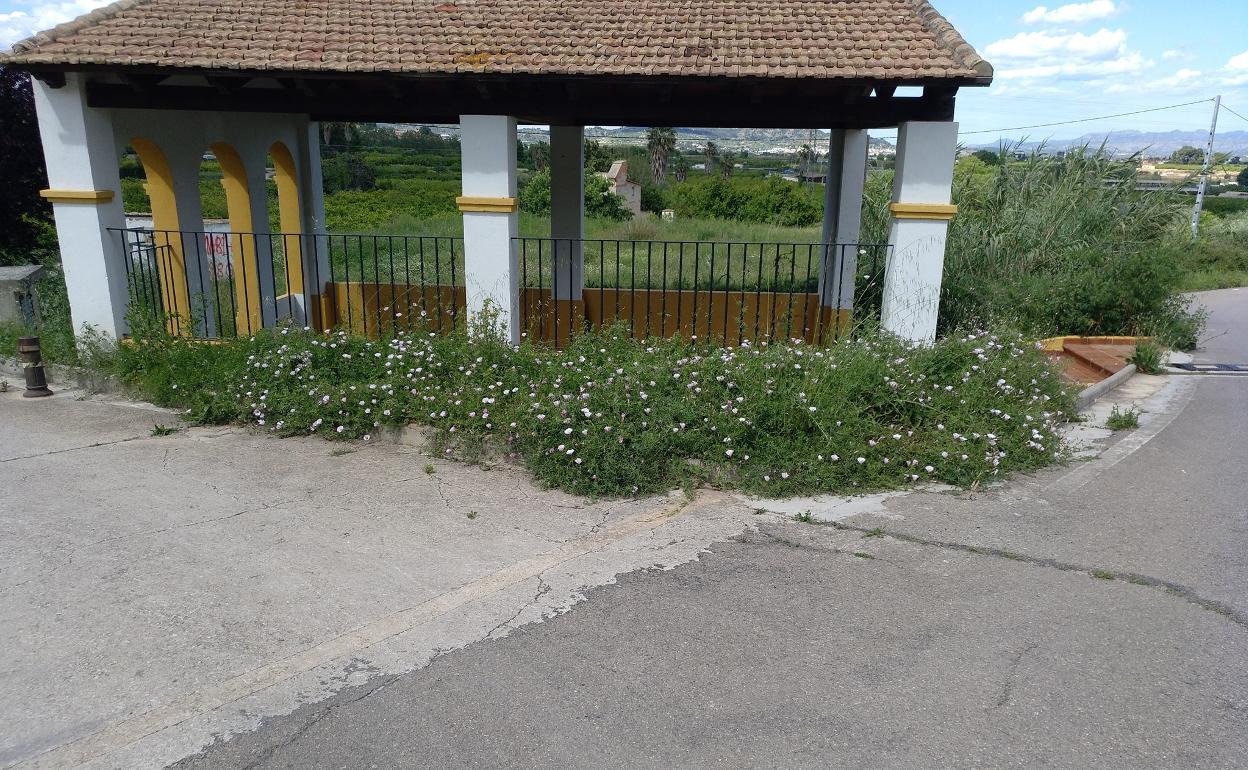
x=288, y=234
x=168, y=257
x=242, y=240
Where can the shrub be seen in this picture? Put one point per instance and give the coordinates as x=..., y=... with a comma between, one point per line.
x=747, y=199
x=600, y=202
x=612, y=415
x=347, y=171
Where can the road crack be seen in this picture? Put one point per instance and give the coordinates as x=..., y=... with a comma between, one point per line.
x=542, y=589
x=1187, y=593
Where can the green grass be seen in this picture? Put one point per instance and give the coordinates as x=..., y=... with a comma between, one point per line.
x=615, y=416
x=1219, y=257
x=1208, y=280
x=164, y=430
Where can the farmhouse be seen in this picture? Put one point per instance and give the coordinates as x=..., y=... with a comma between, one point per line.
x=251, y=80
x=618, y=183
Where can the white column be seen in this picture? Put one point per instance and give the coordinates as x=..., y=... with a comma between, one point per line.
x=567, y=210
x=488, y=145
x=254, y=151
x=842, y=216
x=316, y=270
x=85, y=190
x=921, y=210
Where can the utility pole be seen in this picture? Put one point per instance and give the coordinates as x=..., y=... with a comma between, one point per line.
x=1204, y=170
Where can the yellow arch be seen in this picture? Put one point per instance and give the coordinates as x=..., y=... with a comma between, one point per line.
x=290, y=219
x=238, y=206
x=171, y=262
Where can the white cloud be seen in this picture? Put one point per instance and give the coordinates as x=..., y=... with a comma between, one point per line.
x=1074, y=13
x=1174, y=53
x=39, y=15
x=1237, y=69
x=1036, y=45
x=1179, y=80
x=1061, y=55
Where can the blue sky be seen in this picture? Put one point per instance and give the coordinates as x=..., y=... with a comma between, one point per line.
x=1065, y=61
x=1055, y=61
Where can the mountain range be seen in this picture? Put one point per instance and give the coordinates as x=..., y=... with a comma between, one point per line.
x=757, y=138
x=1151, y=143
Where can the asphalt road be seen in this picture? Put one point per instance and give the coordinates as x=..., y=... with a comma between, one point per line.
x=1086, y=617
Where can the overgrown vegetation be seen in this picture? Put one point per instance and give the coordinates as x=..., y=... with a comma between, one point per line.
x=613, y=416
x=1059, y=246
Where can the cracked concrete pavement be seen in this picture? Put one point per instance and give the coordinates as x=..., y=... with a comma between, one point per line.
x=1092, y=615
x=157, y=593
x=297, y=610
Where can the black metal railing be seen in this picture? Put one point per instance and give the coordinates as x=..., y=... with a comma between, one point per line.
x=729, y=291
x=222, y=284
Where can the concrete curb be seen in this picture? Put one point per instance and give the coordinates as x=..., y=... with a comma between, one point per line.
x=1095, y=391
x=62, y=376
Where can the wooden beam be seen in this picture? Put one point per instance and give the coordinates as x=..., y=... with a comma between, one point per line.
x=708, y=102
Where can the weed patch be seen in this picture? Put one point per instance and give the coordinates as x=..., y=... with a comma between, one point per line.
x=1123, y=419
x=1146, y=357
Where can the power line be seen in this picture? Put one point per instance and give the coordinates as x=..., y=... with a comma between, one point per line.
x=1236, y=114
x=1085, y=120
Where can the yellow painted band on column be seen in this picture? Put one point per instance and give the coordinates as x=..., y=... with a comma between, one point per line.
x=238, y=207
x=289, y=218
x=77, y=196
x=487, y=205
x=940, y=212
x=167, y=238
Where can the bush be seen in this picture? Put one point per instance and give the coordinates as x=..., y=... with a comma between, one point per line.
x=348, y=171
x=614, y=416
x=600, y=202
x=748, y=199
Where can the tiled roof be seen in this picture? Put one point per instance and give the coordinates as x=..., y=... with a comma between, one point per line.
x=861, y=39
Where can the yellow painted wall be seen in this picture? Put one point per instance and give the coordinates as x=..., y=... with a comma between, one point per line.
x=238, y=205
x=289, y=217
x=171, y=261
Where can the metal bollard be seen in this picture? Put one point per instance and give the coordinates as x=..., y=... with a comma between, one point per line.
x=32, y=367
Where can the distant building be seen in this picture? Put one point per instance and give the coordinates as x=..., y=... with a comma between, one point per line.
x=617, y=177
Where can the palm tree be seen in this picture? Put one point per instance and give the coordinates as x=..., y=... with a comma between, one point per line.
x=805, y=159
x=660, y=141
x=726, y=166
x=712, y=156
x=680, y=167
